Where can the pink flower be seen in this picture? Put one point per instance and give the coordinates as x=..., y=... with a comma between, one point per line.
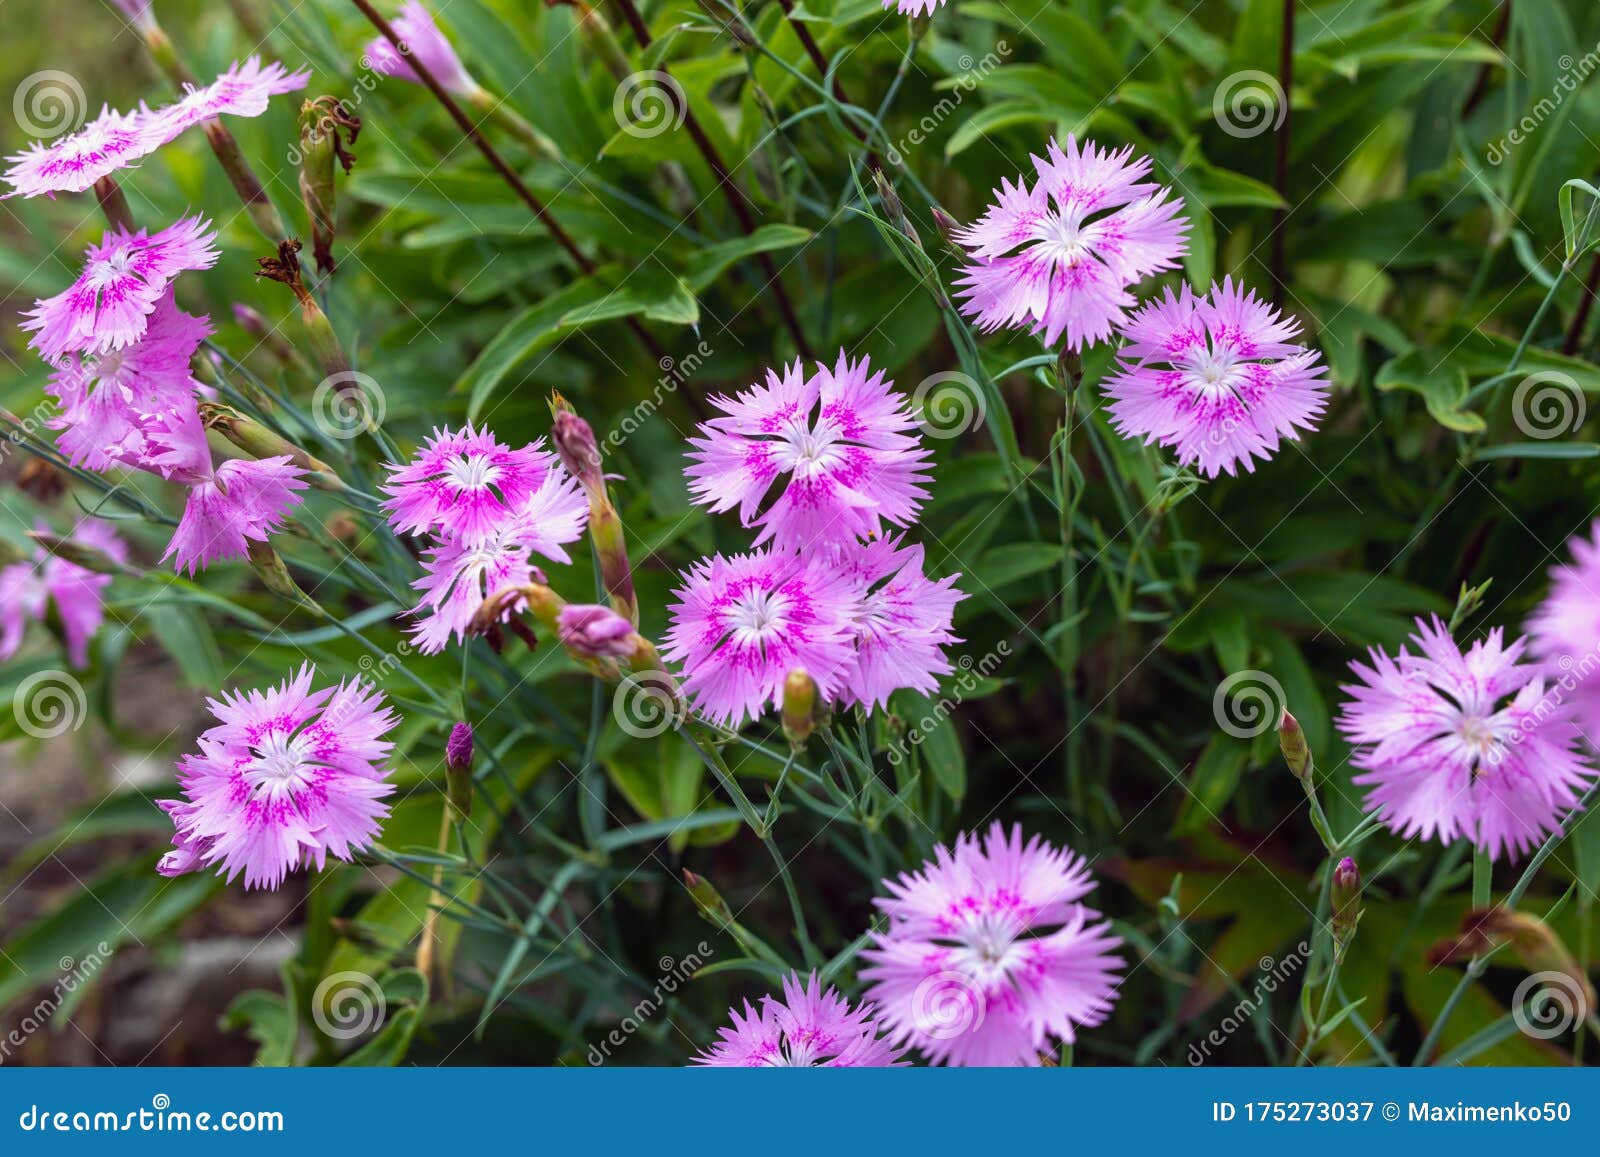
x=459, y=575
x=229, y=506
x=71, y=164
x=811, y=1027
x=124, y=278
x=838, y=445
x=900, y=621
x=107, y=398
x=1469, y=746
x=286, y=778
x=423, y=41
x=914, y=7
x=466, y=483
x=28, y=588
x=1215, y=377
x=595, y=631
x=741, y=624
x=1062, y=254
x=989, y=957
x=1564, y=632
x=241, y=91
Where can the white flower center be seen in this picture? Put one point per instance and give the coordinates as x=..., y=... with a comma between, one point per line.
x=755, y=614
x=278, y=766
x=471, y=472
x=807, y=452
x=1061, y=238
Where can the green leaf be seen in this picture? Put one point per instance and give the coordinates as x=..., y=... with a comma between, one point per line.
x=992, y=118
x=267, y=1019
x=656, y=294
x=1014, y=561
x=1557, y=450
x=709, y=263
x=1580, y=235
x=1211, y=785
x=1443, y=387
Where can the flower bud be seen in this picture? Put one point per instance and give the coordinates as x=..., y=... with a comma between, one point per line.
x=258, y=441
x=284, y=267
x=591, y=631
x=1296, y=752
x=707, y=899
x=1346, y=898
x=799, y=707
x=576, y=446
x=80, y=554
x=322, y=121
x=274, y=575
x=579, y=452
x=947, y=226
x=458, y=769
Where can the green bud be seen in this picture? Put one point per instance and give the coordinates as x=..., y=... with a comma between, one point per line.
x=1296, y=752
x=799, y=707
